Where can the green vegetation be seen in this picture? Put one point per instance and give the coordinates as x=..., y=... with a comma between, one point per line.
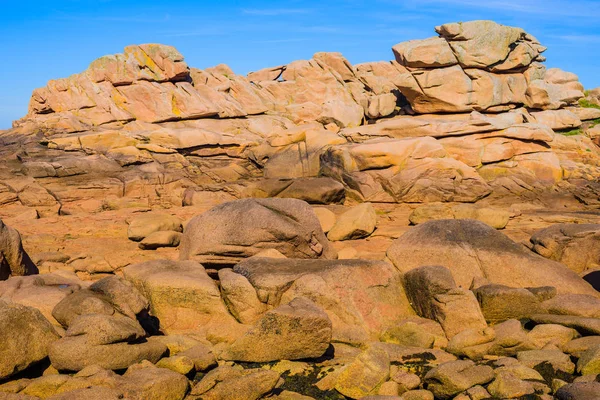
x=594, y=122
x=585, y=103
x=573, y=132
x=579, y=131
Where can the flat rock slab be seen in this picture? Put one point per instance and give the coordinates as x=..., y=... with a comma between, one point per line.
x=590, y=326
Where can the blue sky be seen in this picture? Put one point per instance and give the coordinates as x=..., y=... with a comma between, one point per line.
x=43, y=40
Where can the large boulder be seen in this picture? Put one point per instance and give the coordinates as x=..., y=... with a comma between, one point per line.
x=500, y=303
x=181, y=294
x=361, y=297
x=108, y=341
x=575, y=245
x=25, y=336
x=434, y=294
x=475, y=65
x=472, y=249
x=483, y=44
x=14, y=261
x=427, y=53
x=81, y=302
x=240, y=296
x=122, y=295
x=239, y=229
x=556, y=89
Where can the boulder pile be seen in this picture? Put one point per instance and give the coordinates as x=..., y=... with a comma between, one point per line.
x=288, y=260
x=459, y=311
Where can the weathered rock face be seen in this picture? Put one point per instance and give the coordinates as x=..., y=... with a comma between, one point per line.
x=148, y=130
x=43, y=292
x=403, y=170
x=362, y=298
x=145, y=83
x=471, y=249
x=239, y=229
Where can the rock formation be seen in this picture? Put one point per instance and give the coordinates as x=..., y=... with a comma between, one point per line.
x=197, y=234
x=458, y=117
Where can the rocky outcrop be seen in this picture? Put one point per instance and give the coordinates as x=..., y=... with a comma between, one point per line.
x=480, y=65
x=106, y=341
x=148, y=130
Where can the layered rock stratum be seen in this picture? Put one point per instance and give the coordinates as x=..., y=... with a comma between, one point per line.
x=458, y=117
x=198, y=234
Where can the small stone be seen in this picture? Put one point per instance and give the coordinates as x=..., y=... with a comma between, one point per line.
x=180, y=364
x=451, y=378
x=406, y=380
x=389, y=388
x=202, y=357
x=589, y=361
x=557, y=384
x=356, y=223
x=508, y=386
x=556, y=358
x=160, y=239
x=370, y=369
